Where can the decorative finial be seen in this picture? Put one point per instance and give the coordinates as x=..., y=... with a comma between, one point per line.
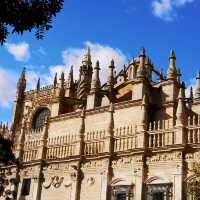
x=96, y=84
x=172, y=54
x=172, y=71
x=141, y=68
x=38, y=85
x=110, y=81
x=112, y=63
x=197, y=92
x=87, y=57
x=191, y=93
x=142, y=52
x=55, y=80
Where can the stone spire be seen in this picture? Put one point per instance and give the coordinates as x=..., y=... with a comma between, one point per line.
x=55, y=80
x=191, y=94
x=84, y=83
x=179, y=75
x=111, y=81
x=60, y=89
x=141, y=68
x=62, y=79
x=38, y=85
x=70, y=83
x=96, y=84
x=87, y=57
x=197, y=92
x=172, y=71
x=21, y=85
x=180, y=112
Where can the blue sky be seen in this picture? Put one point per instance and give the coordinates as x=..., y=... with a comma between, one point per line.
x=113, y=29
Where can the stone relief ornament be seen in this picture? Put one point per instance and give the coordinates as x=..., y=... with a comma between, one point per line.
x=91, y=181
x=55, y=181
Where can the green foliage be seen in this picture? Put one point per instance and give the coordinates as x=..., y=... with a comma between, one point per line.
x=18, y=16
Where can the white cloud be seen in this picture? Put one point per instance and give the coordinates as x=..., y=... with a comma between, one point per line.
x=103, y=53
x=52, y=71
x=21, y=51
x=32, y=78
x=192, y=83
x=166, y=9
x=7, y=87
x=74, y=56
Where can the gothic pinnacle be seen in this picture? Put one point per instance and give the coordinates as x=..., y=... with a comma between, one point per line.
x=141, y=68
x=95, y=78
x=172, y=71
x=110, y=81
x=197, y=92
x=191, y=93
x=71, y=73
x=181, y=106
x=70, y=80
x=38, y=85
x=172, y=54
x=55, y=80
x=22, y=76
x=142, y=52
x=62, y=79
x=181, y=94
x=87, y=57
x=21, y=85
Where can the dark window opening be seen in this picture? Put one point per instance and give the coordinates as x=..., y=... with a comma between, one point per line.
x=26, y=185
x=158, y=196
x=39, y=118
x=121, y=196
x=158, y=191
x=122, y=192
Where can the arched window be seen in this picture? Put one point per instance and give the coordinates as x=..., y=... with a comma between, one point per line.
x=39, y=118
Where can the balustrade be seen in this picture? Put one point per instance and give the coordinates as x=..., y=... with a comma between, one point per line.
x=125, y=143
x=59, y=152
x=94, y=148
x=160, y=139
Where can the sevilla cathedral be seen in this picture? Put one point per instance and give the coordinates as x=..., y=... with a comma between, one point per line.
x=135, y=136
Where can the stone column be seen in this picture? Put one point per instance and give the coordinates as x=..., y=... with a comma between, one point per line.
x=178, y=183
x=37, y=188
x=104, y=185
x=19, y=188
x=138, y=184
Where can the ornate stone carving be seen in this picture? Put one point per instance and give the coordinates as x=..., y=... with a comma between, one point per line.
x=91, y=181
x=55, y=181
x=162, y=157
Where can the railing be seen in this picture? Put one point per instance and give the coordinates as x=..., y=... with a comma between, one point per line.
x=94, y=148
x=193, y=135
x=161, y=133
x=193, y=129
x=94, y=142
x=160, y=139
x=125, y=138
x=161, y=125
x=31, y=150
x=30, y=155
x=125, y=143
x=61, y=146
x=58, y=152
x=125, y=130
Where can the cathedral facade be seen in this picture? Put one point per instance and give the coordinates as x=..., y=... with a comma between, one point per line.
x=135, y=137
